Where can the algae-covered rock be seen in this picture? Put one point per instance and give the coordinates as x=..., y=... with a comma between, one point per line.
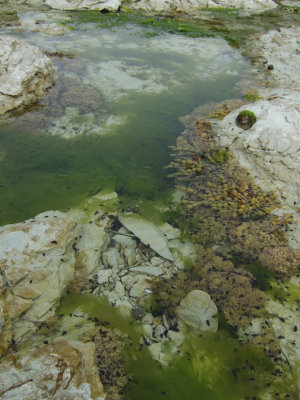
x=25, y=73
x=198, y=311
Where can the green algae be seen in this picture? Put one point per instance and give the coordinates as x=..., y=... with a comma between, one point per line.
x=207, y=367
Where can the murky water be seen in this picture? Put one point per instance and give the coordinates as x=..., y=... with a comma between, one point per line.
x=134, y=81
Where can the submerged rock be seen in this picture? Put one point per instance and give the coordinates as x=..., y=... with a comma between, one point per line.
x=148, y=233
x=58, y=371
x=37, y=262
x=197, y=310
x=25, y=73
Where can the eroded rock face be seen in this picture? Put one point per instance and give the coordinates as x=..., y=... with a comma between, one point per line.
x=56, y=371
x=197, y=310
x=185, y=5
x=108, y=5
x=25, y=73
x=36, y=262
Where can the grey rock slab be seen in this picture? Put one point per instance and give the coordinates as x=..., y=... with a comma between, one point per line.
x=197, y=310
x=148, y=233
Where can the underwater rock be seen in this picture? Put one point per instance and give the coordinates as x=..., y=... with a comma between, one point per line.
x=148, y=233
x=37, y=262
x=70, y=373
x=285, y=322
x=107, y=5
x=25, y=73
x=197, y=310
x=192, y=5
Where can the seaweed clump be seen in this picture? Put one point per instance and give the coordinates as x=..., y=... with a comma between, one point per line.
x=230, y=288
x=245, y=119
x=109, y=354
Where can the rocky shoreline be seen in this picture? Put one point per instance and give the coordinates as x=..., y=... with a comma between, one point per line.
x=98, y=249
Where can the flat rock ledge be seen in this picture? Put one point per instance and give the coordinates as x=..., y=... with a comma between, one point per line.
x=25, y=73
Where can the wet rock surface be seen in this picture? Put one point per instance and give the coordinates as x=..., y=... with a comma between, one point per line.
x=25, y=73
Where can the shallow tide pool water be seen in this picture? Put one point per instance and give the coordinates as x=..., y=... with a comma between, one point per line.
x=135, y=82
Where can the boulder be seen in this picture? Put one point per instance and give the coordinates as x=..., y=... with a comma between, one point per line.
x=192, y=5
x=107, y=5
x=198, y=311
x=25, y=73
x=56, y=371
x=37, y=261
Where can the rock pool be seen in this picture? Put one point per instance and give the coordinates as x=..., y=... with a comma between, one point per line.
x=96, y=146
x=134, y=81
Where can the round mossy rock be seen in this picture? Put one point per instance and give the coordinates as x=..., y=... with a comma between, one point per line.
x=245, y=119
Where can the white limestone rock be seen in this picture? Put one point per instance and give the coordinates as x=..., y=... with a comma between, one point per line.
x=107, y=5
x=192, y=5
x=37, y=262
x=25, y=73
x=148, y=233
x=197, y=310
x=58, y=371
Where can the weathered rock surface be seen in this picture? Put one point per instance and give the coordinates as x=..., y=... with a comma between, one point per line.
x=56, y=371
x=197, y=310
x=190, y=5
x=107, y=5
x=36, y=262
x=25, y=73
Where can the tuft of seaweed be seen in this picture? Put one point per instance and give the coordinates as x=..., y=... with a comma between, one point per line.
x=109, y=354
